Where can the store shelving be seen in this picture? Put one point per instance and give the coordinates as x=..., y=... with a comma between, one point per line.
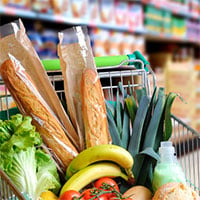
x=174, y=9
x=17, y=12
x=76, y=21
x=65, y=20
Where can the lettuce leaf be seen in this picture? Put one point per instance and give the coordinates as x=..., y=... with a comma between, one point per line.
x=22, y=136
x=30, y=169
x=23, y=171
x=47, y=175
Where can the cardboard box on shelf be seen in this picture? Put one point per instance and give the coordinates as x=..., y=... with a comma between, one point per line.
x=179, y=78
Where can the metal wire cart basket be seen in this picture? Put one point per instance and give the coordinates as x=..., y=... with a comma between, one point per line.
x=185, y=139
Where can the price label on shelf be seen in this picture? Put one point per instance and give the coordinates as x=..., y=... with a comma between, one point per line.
x=59, y=18
x=10, y=11
x=92, y=23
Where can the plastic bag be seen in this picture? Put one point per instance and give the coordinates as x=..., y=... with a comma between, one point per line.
x=77, y=63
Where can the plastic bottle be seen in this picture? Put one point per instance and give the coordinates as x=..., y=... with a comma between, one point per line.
x=168, y=169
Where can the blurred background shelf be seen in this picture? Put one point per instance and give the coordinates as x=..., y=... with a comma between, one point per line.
x=150, y=35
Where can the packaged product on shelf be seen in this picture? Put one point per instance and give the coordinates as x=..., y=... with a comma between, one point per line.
x=121, y=13
x=79, y=8
x=49, y=44
x=101, y=42
x=166, y=25
x=43, y=6
x=127, y=44
x=115, y=43
x=135, y=17
x=93, y=12
x=84, y=96
x=193, y=30
x=16, y=4
x=5, y=102
x=107, y=11
x=138, y=44
x=61, y=7
x=178, y=27
x=29, y=85
x=36, y=40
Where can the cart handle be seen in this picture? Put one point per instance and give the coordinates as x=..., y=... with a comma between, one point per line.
x=105, y=61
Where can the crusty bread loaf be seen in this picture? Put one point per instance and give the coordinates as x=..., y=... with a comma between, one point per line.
x=94, y=109
x=30, y=102
x=175, y=191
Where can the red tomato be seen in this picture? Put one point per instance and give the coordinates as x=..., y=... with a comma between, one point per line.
x=87, y=194
x=69, y=195
x=100, y=184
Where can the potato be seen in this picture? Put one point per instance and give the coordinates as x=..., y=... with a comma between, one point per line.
x=138, y=193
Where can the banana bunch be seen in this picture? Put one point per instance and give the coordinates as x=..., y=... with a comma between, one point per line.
x=94, y=163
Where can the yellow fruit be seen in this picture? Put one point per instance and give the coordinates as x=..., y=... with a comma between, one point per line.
x=90, y=173
x=138, y=193
x=103, y=152
x=48, y=195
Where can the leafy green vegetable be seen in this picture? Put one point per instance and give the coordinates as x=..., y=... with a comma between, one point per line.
x=118, y=114
x=131, y=107
x=135, y=140
x=126, y=129
x=168, y=123
x=47, y=176
x=30, y=169
x=113, y=128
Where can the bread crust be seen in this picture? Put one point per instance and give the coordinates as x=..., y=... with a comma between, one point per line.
x=31, y=103
x=175, y=191
x=94, y=109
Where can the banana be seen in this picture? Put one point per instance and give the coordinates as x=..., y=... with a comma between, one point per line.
x=103, y=152
x=90, y=173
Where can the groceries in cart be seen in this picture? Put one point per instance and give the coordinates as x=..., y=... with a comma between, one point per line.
x=89, y=146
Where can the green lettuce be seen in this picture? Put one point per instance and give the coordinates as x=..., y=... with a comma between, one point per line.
x=30, y=169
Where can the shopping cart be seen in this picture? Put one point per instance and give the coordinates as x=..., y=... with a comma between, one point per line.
x=186, y=140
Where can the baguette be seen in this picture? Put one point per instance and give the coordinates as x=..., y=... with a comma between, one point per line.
x=30, y=102
x=93, y=109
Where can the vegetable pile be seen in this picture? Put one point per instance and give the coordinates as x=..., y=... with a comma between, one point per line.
x=150, y=119
x=22, y=158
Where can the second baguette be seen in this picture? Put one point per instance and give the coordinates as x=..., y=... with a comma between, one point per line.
x=94, y=109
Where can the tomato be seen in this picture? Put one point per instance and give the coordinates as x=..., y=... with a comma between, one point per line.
x=100, y=184
x=88, y=194
x=70, y=194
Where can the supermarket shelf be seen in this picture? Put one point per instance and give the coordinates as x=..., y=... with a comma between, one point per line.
x=173, y=9
x=18, y=12
x=75, y=21
x=154, y=36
